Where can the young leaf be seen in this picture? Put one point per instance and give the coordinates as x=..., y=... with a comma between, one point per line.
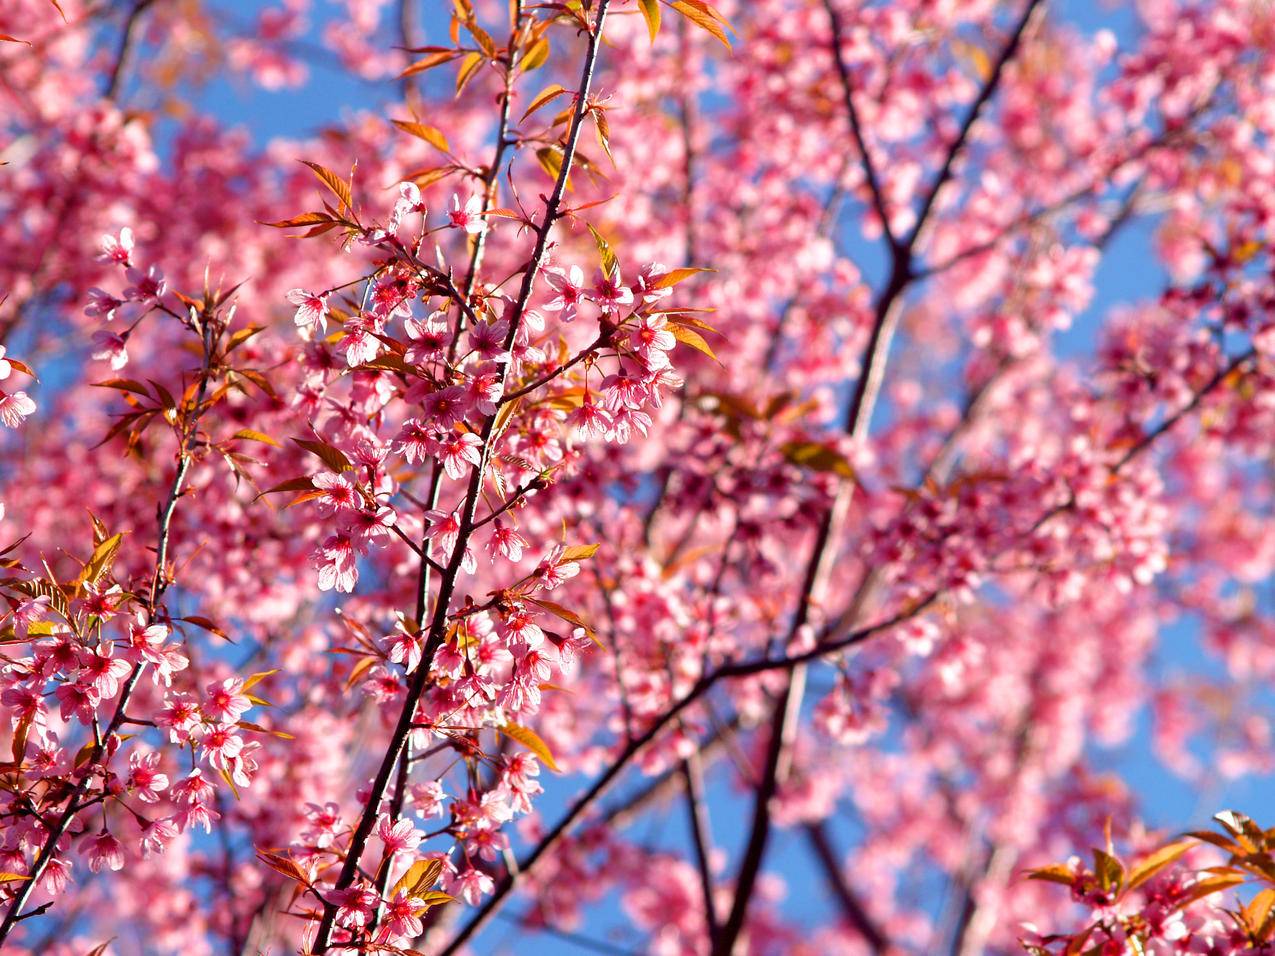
x=334, y=182
x=428, y=133
x=651, y=14
x=531, y=740
x=247, y=434
x=610, y=263
x=101, y=560
x=255, y=679
x=579, y=552
x=1153, y=863
x=818, y=457
x=468, y=68
x=537, y=55
x=699, y=15
x=331, y=456
x=545, y=96
x=675, y=276
x=694, y=340
x=428, y=63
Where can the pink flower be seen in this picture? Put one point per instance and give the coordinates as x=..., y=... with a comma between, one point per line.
x=426, y=340
x=145, y=778
x=104, y=852
x=408, y=202
x=157, y=834
x=337, y=561
x=225, y=700
x=78, y=700
x=117, y=250
x=102, y=304
x=652, y=341
x=14, y=408
x=401, y=920
x=355, y=904
x=472, y=885
x=312, y=310
x=179, y=716
x=405, y=648
x=590, y=420
x=29, y=612
x=193, y=789
x=399, y=836
x=221, y=746
x=324, y=822
x=104, y=671
x=552, y=570
x=416, y=441
x=520, y=625
x=338, y=493
x=359, y=342
x=506, y=542
x=57, y=874
x=446, y=406
x=458, y=450
x=468, y=217
x=196, y=815
x=487, y=339
x=428, y=798
x=146, y=285
x=611, y=292
x=569, y=286
x=6, y=368
x=644, y=286
x=444, y=528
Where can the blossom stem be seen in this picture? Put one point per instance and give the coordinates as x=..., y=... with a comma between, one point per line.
x=159, y=583
x=449, y=579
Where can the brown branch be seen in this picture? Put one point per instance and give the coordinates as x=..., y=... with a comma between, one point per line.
x=697, y=814
x=449, y=580
x=621, y=760
x=852, y=908
x=128, y=36
x=209, y=332
x=857, y=424
x=856, y=127
x=985, y=94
